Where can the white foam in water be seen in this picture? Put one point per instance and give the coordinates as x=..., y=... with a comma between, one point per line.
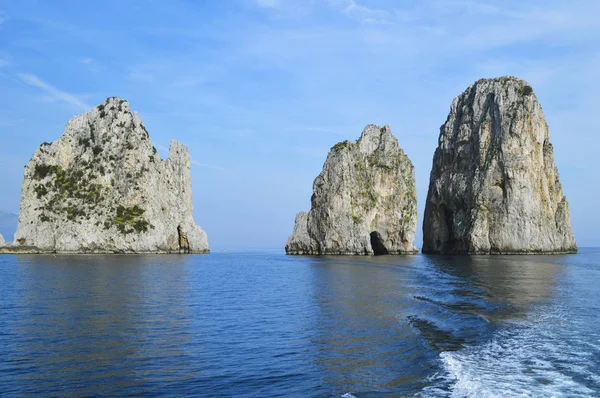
x=526, y=360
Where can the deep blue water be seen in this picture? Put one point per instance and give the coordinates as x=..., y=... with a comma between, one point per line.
x=267, y=325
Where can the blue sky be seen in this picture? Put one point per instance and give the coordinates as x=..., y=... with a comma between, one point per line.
x=259, y=90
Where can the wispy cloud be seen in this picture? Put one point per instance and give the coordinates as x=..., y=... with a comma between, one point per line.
x=286, y=9
x=165, y=149
x=5, y=60
x=162, y=148
x=366, y=15
x=143, y=73
x=53, y=92
x=90, y=64
x=268, y=3
x=208, y=166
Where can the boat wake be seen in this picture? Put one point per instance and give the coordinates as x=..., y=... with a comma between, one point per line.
x=523, y=359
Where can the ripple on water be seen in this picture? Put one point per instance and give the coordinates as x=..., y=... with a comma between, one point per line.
x=523, y=359
x=265, y=324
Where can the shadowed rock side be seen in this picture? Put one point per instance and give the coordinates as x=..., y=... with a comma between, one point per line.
x=364, y=200
x=102, y=187
x=494, y=186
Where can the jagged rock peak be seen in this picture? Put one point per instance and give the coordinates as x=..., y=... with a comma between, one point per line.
x=363, y=202
x=2, y=241
x=494, y=186
x=102, y=187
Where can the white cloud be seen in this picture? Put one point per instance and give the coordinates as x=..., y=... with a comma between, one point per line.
x=5, y=60
x=163, y=148
x=90, y=64
x=208, y=166
x=146, y=73
x=53, y=92
x=268, y=3
x=286, y=9
x=363, y=14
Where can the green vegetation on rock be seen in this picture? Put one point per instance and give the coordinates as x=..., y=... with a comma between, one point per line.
x=340, y=145
x=525, y=90
x=68, y=192
x=129, y=219
x=102, y=111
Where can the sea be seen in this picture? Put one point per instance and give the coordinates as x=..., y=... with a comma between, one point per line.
x=263, y=324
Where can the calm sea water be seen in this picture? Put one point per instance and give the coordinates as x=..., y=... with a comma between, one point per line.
x=268, y=325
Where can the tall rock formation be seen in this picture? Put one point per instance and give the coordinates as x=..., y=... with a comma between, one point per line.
x=2, y=242
x=102, y=187
x=494, y=186
x=364, y=200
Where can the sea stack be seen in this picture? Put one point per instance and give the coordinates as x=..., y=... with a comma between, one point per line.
x=102, y=187
x=494, y=186
x=2, y=241
x=364, y=201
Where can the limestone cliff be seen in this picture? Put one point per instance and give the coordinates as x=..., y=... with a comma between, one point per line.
x=102, y=187
x=2, y=242
x=364, y=200
x=494, y=186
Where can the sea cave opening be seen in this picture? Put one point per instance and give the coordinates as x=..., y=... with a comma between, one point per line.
x=377, y=245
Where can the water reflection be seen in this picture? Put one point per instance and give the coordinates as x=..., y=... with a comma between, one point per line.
x=264, y=324
x=382, y=321
x=89, y=318
x=364, y=343
x=514, y=283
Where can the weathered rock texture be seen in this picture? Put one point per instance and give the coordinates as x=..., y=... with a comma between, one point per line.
x=494, y=186
x=364, y=200
x=102, y=187
x=2, y=242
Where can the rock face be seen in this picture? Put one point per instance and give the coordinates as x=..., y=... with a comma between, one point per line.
x=2, y=242
x=102, y=187
x=364, y=200
x=494, y=186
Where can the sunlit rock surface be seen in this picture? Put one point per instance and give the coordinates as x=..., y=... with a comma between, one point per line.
x=494, y=186
x=102, y=187
x=364, y=200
